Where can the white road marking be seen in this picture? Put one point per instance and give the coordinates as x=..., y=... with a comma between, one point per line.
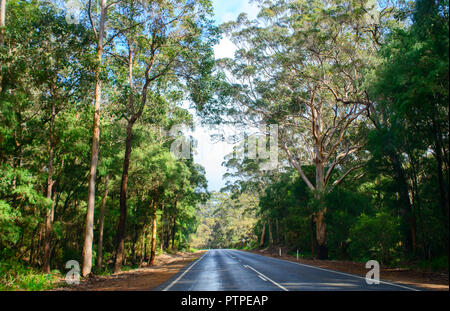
x=342, y=273
x=185, y=271
x=226, y=253
x=262, y=278
x=269, y=279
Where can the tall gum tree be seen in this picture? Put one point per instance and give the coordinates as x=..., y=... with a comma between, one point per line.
x=99, y=33
x=301, y=66
x=165, y=44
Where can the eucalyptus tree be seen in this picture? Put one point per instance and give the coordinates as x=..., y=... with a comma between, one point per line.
x=45, y=75
x=155, y=170
x=301, y=66
x=2, y=23
x=64, y=83
x=410, y=100
x=99, y=31
x=165, y=47
x=224, y=221
x=246, y=177
x=186, y=191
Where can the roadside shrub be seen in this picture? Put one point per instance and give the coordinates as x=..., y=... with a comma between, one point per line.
x=375, y=237
x=15, y=276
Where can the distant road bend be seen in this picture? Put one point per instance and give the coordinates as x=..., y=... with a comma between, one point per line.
x=232, y=270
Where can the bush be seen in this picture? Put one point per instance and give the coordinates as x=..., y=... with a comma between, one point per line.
x=15, y=276
x=375, y=237
x=437, y=264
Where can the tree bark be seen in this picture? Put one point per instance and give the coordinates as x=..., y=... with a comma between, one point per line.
x=270, y=234
x=313, y=239
x=174, y=226
x=123, y=200
x=2, y=19
x=405, y=208
x=100, y=226
x=144, y=244
x=277, y=231
x=50, y=212
x=263, y=233
x=89, y=228
x=321, y=227
x=2, y=32
x=321, y=235
x=153, y=243
x=442, y=188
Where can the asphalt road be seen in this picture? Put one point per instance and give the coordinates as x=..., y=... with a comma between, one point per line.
x=232, y=270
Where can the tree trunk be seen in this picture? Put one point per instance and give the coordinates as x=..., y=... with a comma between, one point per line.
x=442, y=188
x=416, y=205
x=123, y=201
x=174, y=225
x=263, y=233
x=2, y=32
x=153, y=243
x=144, y=248
x=321, y=227
x=313, y=239
x=270, y=233
x=167, y=234
x=89, y=228
x=100, y=226
x=2, y=19
x=277, y=231
x=50, y=212
x=404, y=203
x=321, y=235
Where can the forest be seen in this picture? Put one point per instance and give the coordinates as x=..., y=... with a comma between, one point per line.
x=360, y=98
x=96, y=106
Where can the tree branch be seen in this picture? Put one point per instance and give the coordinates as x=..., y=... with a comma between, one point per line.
x=296, y=165
x=91, y=20
x=337, y=182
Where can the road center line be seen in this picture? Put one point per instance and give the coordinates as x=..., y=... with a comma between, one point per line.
x=185, y=271
x=267, y=278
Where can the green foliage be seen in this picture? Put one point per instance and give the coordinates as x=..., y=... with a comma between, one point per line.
x=408, y=145
x=376, y=76
x=395, y=60
x=225, y=222
x=436, y=264
x=47, y=82
x=16, y=276
x=374, y=237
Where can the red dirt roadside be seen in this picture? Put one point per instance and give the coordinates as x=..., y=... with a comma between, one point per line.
x=142, y=279
x=422, y=279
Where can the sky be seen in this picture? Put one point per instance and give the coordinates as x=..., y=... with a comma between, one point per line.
x=208, y=153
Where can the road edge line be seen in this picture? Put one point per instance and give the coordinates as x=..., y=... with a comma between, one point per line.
x=185, y=271
x=338, y=272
